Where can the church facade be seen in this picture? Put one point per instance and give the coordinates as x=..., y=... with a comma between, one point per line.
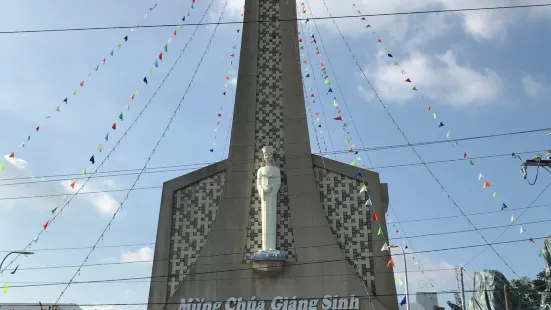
x=273, y=226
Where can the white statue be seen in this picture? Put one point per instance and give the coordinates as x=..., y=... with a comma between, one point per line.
x=268, y=182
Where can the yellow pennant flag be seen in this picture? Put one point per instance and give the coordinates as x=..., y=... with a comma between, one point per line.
x=5, y=288
x=400, y=282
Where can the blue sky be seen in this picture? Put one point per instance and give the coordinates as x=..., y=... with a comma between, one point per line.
x=481, y=72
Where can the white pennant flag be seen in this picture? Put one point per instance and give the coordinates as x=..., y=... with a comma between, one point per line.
x=521, y=229
x=364, y=189
x=480, y=177
x=384, y=248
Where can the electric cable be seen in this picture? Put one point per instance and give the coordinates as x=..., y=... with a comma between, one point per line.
x=524, y=6
x=322, y=261
x=257, y=300
x=155, y=147
x=412, y=147
x=153, y=243
x=194, y=166
x=509, y=226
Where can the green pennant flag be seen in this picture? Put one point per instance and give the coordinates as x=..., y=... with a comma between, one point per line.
x=119, y=45
x=74, y=92
x=541, y=253
x=327, y=82
x=166, y=47
x=120, y=116
x=353, y=163
x=5, y=288
x=471, y=162
x=414, y=88
x=179, y=26
x=137, y=91
x=380, y=232
x=97, y=68
x=57, y=109
x=302, y=47
x=107, y=137
x=2, y=166
x=83, y=171
x=53, y=210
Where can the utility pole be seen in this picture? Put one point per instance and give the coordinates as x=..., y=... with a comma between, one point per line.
x=507, y=298
x=463, y=303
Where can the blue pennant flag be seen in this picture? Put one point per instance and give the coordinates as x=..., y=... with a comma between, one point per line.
x=403, y=302
x=368, y=203
x=358, y=175
x=503, y=207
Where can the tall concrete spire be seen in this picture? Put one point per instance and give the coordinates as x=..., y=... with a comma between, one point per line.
x=210, y=219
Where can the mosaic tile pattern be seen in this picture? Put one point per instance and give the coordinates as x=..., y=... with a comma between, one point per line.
x=349, y=220
x=193, y=213
x=269, y=130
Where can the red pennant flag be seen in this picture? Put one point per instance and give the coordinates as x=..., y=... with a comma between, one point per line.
x=132, y=97
x=350, y=150
x=312, y=95
x=408, y=80
x=464, y=155
x=300, y=40
x=227, y=78
x=428, y=108
x=73, y=184
x=305, y=62
x=38, y=128
x=161, y=56
x=380, y=41
x=174, y=33
x=12, y=155
x=114, y=126
x=390, y=263
x=232, y=55
x=104, y=60
x=374, y=218
x=339, y=112
x=81, y=83
x=486, y=184
x=46, y=224
x=318, y=52
x=219, y=115
x=321, y=63
x=363, y=18
x=338, y=118
x=317, y=113
x=397, y=230
x=531, y=240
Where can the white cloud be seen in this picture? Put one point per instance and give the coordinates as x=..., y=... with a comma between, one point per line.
x=440, y=78
x=18, y=163
x=437, y=276
x=532, y=86
x=143, y=254
x=104, y=202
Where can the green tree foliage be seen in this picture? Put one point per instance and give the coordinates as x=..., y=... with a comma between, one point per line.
x=529, y=291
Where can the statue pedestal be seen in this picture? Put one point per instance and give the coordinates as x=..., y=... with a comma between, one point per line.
x=268, y=263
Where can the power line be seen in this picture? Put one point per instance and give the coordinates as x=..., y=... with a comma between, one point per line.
x=264, y=300
x=304, y=247
x=283, y=20
x=188, y=167
x=409, y=143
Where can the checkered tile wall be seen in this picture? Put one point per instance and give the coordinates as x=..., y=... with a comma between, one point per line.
x=349, y=219
x=193, y=212
x=269, y=130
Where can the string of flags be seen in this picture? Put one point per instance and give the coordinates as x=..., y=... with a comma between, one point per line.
x=227, y=81
x=408, y=81
x=73, y=184
x=81, y=84
x=338, y=117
